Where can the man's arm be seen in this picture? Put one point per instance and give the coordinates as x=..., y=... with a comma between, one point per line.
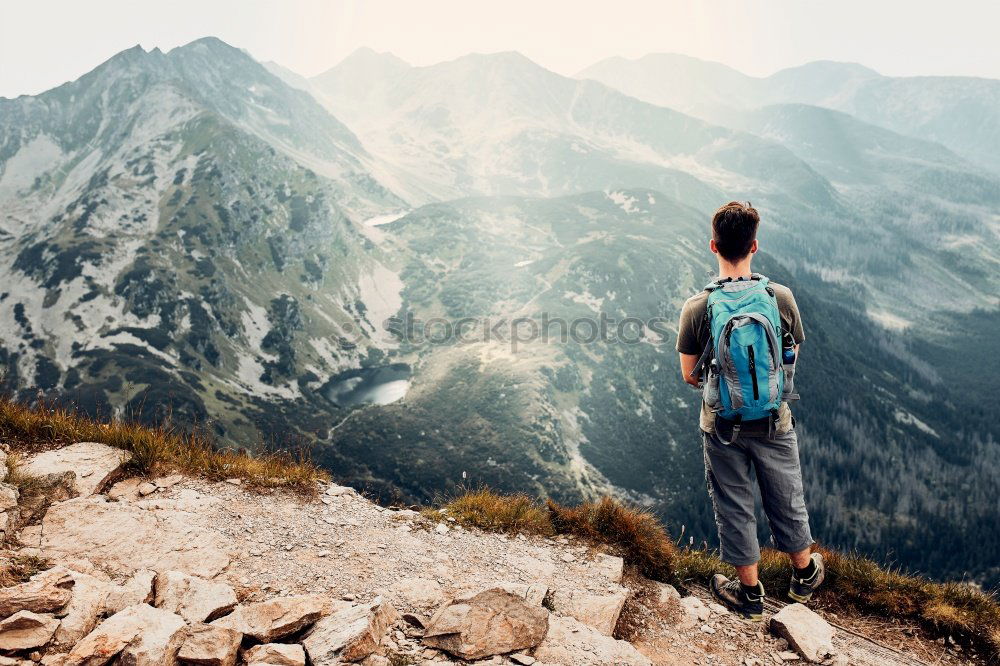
x=688, y=361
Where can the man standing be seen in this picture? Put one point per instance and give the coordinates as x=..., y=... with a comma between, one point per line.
x=739, y=340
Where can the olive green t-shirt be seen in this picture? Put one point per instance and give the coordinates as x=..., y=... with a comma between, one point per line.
x=693, y=334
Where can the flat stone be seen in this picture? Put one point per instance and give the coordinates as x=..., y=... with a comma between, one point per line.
x=95, y=465
x=275, y=654
x=600, y=611
x=125, y=537
x=210, y=646
x=491, y=622
x=192, y=598
x=141, y=634
x=270, y=620
x=806, y=632
x=349, y=633
x=45, y=592
x=25, y=630
x=8, y=496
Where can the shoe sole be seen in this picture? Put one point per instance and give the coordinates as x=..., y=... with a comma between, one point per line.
x=799, y=598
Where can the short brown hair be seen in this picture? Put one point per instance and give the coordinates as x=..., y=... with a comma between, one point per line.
x=734, y=228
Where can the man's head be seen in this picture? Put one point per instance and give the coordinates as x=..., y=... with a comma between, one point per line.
x=734, y=231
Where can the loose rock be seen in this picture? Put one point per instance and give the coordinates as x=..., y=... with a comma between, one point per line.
x=25, y=630
x=210, y=646
x=806, y=632
x=489, y=623
x=192, y=598
x=275, y=654
x=268, y=621
x=47, y=591
x=350, y=633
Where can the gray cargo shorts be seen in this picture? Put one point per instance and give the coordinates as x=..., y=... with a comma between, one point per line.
x=775, y=462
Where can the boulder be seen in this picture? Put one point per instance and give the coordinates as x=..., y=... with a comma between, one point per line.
x=141, y=634
x=210, y=646
x=806, y=632
x=600, y=611
x=84, y=609
x=94, y=465
x=571, y=643
x=275, y=654
x=45, y=592
x=491, y=622
x=349, y=633
x=194, y=599
x=416, y=592
x=25, y=630
x=267, y=621
x=138, y=589
x=126, y=537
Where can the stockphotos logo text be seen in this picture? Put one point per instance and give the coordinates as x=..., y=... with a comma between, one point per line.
x=602, y=329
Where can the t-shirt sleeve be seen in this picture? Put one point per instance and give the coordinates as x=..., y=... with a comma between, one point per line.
x=687, y=330
x=795, y=320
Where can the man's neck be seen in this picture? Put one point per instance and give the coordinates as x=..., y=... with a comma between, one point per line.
x=734, y=271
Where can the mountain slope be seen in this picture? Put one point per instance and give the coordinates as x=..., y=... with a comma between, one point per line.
x=499, y=124
x=163, y=252
x=958, y=112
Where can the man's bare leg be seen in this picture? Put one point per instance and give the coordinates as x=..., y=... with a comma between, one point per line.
x=748, y=574
x=800, y=560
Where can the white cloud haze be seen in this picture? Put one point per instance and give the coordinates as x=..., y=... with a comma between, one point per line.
x=45, y=43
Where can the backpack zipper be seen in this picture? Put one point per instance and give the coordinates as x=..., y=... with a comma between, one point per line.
x=753, y=372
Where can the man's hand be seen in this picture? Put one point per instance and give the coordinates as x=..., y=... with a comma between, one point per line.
x=688, y=361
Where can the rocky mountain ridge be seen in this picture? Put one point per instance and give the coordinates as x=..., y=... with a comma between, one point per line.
x=177, y=570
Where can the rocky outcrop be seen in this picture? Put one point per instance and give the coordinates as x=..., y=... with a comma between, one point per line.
x=488, y=623
x=152, y=577
x=94, y=466
x=127, y=537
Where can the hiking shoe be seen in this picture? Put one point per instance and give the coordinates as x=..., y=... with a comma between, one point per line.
x=732, y=595
x=801, y=589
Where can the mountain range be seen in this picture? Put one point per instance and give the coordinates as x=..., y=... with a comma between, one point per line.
x=197, y=237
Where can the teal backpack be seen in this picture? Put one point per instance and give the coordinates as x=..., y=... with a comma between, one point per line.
x=746, y=378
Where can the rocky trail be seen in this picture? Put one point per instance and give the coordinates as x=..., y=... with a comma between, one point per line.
x=175, y=569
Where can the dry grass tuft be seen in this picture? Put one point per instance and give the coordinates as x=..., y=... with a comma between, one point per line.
x=16, y=569
x=153, y=448
x=493, y=512
x=636, y=534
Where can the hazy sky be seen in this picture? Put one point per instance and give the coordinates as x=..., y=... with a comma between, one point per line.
x=44, y=43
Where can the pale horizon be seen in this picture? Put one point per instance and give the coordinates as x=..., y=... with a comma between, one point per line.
x=45, y=44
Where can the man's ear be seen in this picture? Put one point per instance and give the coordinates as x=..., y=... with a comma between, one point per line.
x=713, y=247
x=753, y=247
